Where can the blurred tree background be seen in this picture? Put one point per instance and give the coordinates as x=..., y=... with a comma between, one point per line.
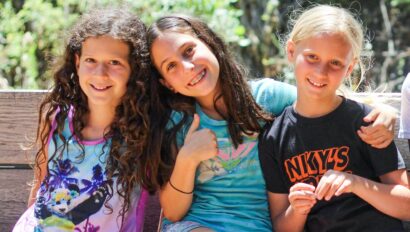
x=32, y=34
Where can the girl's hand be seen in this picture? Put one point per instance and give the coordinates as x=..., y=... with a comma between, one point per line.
x=381, y=132
x=302, y=198
x=199, y=145
x=334, y=183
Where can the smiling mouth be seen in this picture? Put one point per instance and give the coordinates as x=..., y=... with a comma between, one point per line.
x=198, y=78
x=100, y=88
x=319, y=85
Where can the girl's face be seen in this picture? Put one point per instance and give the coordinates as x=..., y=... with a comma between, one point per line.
x=321, y=63
x=103, y=70
x=186, y=64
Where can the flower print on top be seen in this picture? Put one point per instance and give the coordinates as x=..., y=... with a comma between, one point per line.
x=73, y=194
x=227, y=160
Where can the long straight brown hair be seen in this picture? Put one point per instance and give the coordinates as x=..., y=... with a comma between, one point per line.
x=243, y=114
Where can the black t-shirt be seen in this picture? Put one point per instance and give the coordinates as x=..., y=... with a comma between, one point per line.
x=298, y=149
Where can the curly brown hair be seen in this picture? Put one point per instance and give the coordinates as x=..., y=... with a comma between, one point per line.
x=243, y=113
x=130, y=127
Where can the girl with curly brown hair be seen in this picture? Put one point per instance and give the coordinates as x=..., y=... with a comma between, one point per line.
x=90, y=171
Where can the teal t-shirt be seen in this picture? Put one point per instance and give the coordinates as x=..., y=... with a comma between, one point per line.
x=230, y=192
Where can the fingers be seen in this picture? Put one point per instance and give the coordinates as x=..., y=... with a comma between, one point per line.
x=383, y=144
x=302, y=186
x=324, y=185
x=337, y=182
x=302, y=198
x=194, y=126
x=371, y=117
x=343, y=188
x=381, y=133
x=376, y=136
x=302, y=206
x=333, y=183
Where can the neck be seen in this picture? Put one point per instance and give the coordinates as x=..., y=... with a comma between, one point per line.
x=313, y=108
x=99, y=120
x=208, y=106
x=209, y=109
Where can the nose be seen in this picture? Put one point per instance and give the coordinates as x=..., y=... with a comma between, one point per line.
x=321, y=70
x=188, y=66
x=100, y=70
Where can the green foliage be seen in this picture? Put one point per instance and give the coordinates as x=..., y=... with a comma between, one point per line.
x=33, y=34
x=29, y=37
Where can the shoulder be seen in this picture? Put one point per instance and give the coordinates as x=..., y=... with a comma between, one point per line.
x=263, y=85
x=356, y=109
x=279, y=126
x=272, y=95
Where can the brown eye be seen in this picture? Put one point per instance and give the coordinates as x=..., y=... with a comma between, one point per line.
x=170, y=66
x=336, y=63
x=312, y=57
x=89, y=60
x=189, y=51
x=115, y=62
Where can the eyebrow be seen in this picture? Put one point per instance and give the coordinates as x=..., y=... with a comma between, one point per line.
x=162, y=63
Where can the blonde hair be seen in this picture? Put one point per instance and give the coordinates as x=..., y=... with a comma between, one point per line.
x=331, y=19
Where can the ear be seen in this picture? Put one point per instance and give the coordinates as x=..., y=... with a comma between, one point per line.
x=290, y=50
x=351, y=67
x=77, y=61
x=167, y=85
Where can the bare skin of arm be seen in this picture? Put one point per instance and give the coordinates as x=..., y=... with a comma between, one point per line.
x=391, y=197
x=289, y=211
x=39, y=175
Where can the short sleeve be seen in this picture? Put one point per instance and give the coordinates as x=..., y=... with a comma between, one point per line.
x=271, y=168
x=386, y=160
x=404, y=131
x=273, y=96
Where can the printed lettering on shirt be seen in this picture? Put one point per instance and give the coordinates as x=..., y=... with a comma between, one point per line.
x=310, y=166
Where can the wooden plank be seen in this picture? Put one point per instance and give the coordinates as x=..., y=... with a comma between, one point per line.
x=18, y=124
x=14, y=191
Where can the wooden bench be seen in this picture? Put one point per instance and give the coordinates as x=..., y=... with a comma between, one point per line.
x=18, y=121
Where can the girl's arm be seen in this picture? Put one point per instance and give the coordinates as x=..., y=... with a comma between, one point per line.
x=391, y=197
x=290, y=211
x=40, y=172
x=176, y=195
x=39, y=175
x=175, y=204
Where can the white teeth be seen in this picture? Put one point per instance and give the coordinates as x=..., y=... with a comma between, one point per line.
x=315, y=84
x=198, y=78
x=100, y=88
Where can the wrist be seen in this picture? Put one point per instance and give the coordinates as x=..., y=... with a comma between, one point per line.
x=188, y=160
x=297, y=213
x=355, y=183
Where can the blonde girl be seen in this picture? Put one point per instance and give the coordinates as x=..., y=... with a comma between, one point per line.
x=320, y=175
